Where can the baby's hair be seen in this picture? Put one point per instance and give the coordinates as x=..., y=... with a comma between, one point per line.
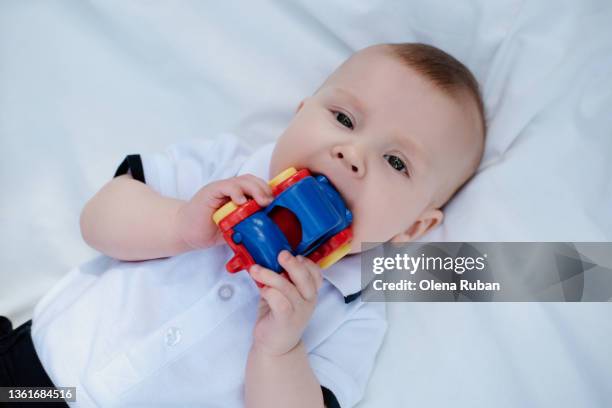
x=442, y=69
x=449, y=75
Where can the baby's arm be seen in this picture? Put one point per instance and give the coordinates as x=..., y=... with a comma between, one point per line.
x=278, y=373
x=285, y=380
x=130, y=221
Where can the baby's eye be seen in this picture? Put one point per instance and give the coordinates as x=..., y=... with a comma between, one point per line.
x=344, y=120
x=397, y=163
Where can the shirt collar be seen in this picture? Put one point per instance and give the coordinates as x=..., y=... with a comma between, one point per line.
x=345, y=274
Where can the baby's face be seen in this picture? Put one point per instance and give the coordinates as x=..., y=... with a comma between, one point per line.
x=389, y=141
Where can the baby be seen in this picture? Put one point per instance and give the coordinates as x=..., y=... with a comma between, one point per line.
x=397, y=129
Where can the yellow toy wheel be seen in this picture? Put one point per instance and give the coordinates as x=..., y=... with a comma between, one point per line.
x=282, y=176
x=223, y=212
x=335, y=256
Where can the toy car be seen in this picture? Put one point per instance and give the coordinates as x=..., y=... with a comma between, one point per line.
x=306, y=217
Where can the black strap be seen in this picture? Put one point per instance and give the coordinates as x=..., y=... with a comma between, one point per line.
x=350, y=298
x=133, y=164
x=329, y=398
x=6, y=326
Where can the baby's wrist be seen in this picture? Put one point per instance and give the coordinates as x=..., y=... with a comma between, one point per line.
x=274, y=352
x=183, y=230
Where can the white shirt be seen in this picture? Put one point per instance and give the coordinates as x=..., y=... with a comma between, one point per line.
x=177, y=331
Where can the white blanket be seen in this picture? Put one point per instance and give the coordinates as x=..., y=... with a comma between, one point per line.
x=83, y=83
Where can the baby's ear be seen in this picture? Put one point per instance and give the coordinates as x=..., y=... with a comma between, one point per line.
x=428, y=220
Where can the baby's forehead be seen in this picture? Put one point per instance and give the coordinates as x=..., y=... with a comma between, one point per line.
x=374, y=67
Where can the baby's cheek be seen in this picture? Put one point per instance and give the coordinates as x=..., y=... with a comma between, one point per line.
x=370, y=227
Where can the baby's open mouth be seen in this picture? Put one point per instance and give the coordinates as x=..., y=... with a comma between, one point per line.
x=316, y=174
x=344, y=198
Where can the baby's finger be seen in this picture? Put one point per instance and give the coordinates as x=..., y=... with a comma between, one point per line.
x=264, y=184
x=315, y=271
x=300, y=275
x=275, y=280
x=255, y=190
x=227, y=188
x=279, y=304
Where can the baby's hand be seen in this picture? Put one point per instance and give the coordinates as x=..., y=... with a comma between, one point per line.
x=286, y=305
x=194, y=219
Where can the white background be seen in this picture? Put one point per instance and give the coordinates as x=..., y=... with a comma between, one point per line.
x=83, y=83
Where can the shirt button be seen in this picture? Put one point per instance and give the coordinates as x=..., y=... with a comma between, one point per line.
x=225, y=291
x=173, y=336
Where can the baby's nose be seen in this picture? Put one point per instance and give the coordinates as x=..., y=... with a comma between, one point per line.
x=350, y=158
